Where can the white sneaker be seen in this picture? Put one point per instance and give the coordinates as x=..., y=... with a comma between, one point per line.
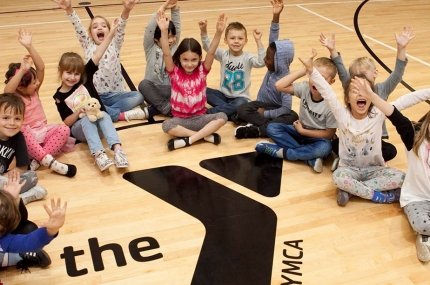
x=423, y=248
x=335, y=164
x=35, y=193
x=121, y=160
x=135, y=114
x=34, y=165
x=103, y=161
x=318, y=167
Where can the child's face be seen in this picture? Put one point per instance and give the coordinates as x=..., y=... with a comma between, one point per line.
x=370, y=72
x=171, y=38
x=10, y=123
x=236, y=41
x=70, y=78
x=189, y=61
x=31, y=88
x=99, y=29
x=269, y=60
x=359, y=104
x=326, y=73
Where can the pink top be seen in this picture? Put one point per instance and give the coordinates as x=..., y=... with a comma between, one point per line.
x=33, y=111
x=188, y=97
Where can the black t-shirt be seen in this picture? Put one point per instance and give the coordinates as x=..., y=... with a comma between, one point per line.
x=78, y=94
x=13, y=147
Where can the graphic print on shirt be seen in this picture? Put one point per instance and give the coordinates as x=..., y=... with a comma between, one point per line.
x=234, y=77
x=77, y=99
x=6, y=153
x=312, y=113
x=361, y=145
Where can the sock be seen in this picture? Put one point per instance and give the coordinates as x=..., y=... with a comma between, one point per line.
x=213, y=138
x=121, y=116
x=382, y=197
x=68, y=170
x=180, y=142
x=9, y=259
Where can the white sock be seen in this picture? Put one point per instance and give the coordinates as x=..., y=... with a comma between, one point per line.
x=179, y=142
x=55, y=165
x=210, y=138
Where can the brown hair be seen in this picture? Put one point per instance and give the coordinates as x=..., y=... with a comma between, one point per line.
x=28, y=77
x=348, y=89
x=235, y=26
x=9, y=213
x=422, y=134
x=71, y=61
x=328, y=63
x=91, y=23
x=9, y=100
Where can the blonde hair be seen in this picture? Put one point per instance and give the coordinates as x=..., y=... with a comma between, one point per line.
x=327, y=63
x=364, y=61
x=422, y=134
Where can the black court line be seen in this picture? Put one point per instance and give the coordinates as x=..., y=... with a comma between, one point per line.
x=258, y=172
x=240, y=232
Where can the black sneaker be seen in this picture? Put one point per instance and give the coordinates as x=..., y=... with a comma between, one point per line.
x=247, y=132
x=152, y=111
x=235, y=119
x=33, y=259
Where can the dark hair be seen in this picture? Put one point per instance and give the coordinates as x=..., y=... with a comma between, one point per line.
x=71, y=61
x=347, y=89
x=235, y=26
x=9, y=213
x=25, y=80
x=272, y=46
x=9, y=100
x=187, y=44
x=171, y=29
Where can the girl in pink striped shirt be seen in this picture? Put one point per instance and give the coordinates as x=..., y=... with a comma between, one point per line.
x=187, y=72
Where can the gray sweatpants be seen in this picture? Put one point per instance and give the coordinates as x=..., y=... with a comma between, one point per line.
x=418, y=214
x=156, y=95
x=29, y=176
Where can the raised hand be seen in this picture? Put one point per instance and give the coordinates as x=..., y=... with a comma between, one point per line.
x=405, y=37
x=308, y=62
x=63, y=4
x=327, y=42
x=57, y=216
x=26, y=62
x=25, y=37
x=162, y=21
x=114, y=27
x=257, y=34
x=278, y=6
x=129, y=4
x=361, y=86
x=221, y=23
x=203, y=24
x=12, y=185
x=171, y=4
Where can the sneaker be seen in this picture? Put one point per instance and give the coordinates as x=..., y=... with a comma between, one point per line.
x=34, y=194
x=423, y=248
x=342, y=197
x=268, y=148
x=121, y=160
x=335, y=164
x=103, y=162
x=34, y=165
x=135, y=114
x=33, y=259
x=393, y=195
x=247, y=132
x=316, y=164
x=235, y=119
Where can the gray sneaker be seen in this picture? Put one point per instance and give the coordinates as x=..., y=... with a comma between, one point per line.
x=121, y=160
x=34, y=194
x=342, y=197
x=103, y=162
x=423, y=248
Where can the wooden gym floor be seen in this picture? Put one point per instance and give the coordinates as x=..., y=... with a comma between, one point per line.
x=168, y=204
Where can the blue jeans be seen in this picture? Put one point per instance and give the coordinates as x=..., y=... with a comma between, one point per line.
x=220, y=103
x=298, y=147
x=117, y=102
x=84, y=130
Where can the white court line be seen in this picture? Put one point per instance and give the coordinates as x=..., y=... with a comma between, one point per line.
x=364, y=36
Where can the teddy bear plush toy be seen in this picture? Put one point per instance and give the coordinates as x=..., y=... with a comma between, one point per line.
x=92, y=110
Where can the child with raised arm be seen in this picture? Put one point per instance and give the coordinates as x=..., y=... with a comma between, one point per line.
x=21, y=247
x=309, y=138
x=108, y=81
x=271, y=105
x=156, y=87
x=415, y=195
x=188, y=76
x=13, y=146
x=44, y=141
x=235, y=71
x=366, y=66
x=77, y=86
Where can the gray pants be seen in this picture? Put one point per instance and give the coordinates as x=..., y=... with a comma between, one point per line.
x=156, y=95
x=418, y=214
x=195, y=123
x=29, y=176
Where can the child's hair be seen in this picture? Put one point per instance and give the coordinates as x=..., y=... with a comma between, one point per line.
x=422, y=134
x=73, y=62
x=9, y=213
x=235, y=26
x=272, y=46
x=25, y=80
x=348, y=89
x=91, y=23
x=170, y=30
x=9, y=100
x=364, y=61
x=187, y=44
x=328, y=63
